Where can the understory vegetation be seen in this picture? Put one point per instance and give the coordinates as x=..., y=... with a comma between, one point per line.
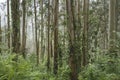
x=59, y=39
x=102, y=68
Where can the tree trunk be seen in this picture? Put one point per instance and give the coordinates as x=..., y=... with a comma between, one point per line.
x=36, y=35
x=113, y=28
x=85, y=32
x=42, y=31
x=48, y=59
x=56, y=36
x=8, y=23
x=71, y=30
x=0, y=33
x=15, y=25
x=24, y=28
x=112, y=24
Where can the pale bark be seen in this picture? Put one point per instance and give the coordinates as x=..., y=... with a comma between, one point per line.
x=42, y=31
x=112, y=24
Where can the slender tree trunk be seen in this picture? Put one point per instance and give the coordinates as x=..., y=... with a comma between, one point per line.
x=8, y=23
x=117, y=15
x=112, y=24
x=36, y=35
x=42, y=31
x=105, y=29
x=0, y=33
x=48, y=60
x=78, y=33
x=15, y=25
x=24, y=28
x=85, y=32
x=56, y=36
x=52, y=22
x=71, y=30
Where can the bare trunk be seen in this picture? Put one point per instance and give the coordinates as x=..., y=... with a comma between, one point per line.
x=23, y=45
x=112, y=24
x=15, y=25
x=0, y=33
x=56, y=36
x=42, y=31
x=71, y=30
x=36, y=35
x=8, y=23
x=85, y=32
x=48, y=63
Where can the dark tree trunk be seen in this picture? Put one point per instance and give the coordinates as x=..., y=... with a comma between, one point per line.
x=15, y=25
x=0, y=33
x=48, y=60
x=71, y=30
x=36, y=35
x=56, y=36
x=85, y=32
x=8, y=23
x=24, y=28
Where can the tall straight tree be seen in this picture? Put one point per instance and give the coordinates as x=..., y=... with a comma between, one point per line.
x=71, y=29
x=105, y=34
x=85, y=31
x=56, y=8
x=112, y=24
x=36, y=35
x=78, y=32
x=8, y=23
x=42, y=29
x=0, y=33
x=15, y=25
x=52, y=21
x=23, y=45
x=117, y=14
x=48, y=59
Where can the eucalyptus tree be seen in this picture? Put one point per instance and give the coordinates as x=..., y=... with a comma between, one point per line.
x=23, y=45
x=15, y=15
x=42, y=29
x=36, y=34
x=56, y=9
x=8, y=22
x=48, y=59
x=70, y=6
x=112, y=24
x=85, y=32
x=0, y=33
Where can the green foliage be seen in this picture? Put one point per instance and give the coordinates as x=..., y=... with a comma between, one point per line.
x=105, y=68
x=18, y=70
x=63, y=73
x=94, y=73
x=26, y=69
